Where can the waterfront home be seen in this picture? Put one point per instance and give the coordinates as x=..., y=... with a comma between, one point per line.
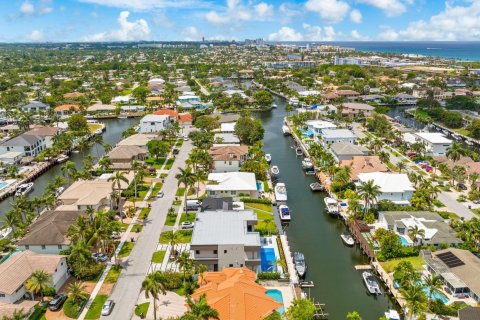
x=225, y=139
x=84, y=194
x=154, y=123
x=188, y=98
x=214, y=204
x=395, y=187
x=66, y=110
x=405, y=99
x=228, y=158
x=29, y=145
x=11, y=157
x=375, y=98
x=363, y=164
x=458, y=269
x=319, y=110
x=18, y=268
x=48, y=234
x=355, y=110
x=138, y=139
x=436, y=144
x=329, y=136
x=122, y=156
x=132, y=108
x=247, y=300
x=232, y=184
x=185, y=119
x=348, y=95
x=34, y=106
x=122, y=100
x=167, y=112
x=101, y=109
x=316, y=127
x=227, y=117
x=437, y=231
x=227, y=127
x=225, y=239
x=345, y=151
x=45, y=132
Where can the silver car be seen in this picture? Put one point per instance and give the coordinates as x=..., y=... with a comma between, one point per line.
x=107, y=307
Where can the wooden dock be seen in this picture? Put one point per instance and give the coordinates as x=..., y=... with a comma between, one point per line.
x=363, y=267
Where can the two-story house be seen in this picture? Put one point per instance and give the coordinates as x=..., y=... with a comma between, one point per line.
x=29, y=145
x=395, y=187
x=228, y=158
x=154, y=123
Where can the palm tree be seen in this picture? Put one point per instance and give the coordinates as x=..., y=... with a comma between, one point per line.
x=11, y=220
x=104, y=163
x=97, y=140
x=415, y=232
x=473, y=178
x=200, y=176
x=17, y=315
x=369, y=192
x=38, y=282
x=200, y=310
x=187, y=178
x=172, y=239
x=415, y=298
x=68, y=170
x=154, y=285
x=433, y=283
x=76, y=292
x=117, y=180
x=401, y=166
x=107, y=147
x=376, y=145
x=185, y=263
x=455, y=152
x=384, y=156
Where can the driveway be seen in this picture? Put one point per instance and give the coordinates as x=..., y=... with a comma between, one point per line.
x=127, y=289
x=453, y=205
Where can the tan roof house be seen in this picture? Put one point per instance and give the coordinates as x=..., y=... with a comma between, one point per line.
x=83, y=194
x=122, y=156
x=364, y=164
x=228, y=158
x=353, y=110
x=139, y=139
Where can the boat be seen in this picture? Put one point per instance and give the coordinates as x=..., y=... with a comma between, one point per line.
x=300, y=266
x=307, y=163
x=58, y=191
x=63, y=158
x=76, y=151
x=310, y=172
x=316, y=186
x=347, y=239
x=23, y=189
x=122, y=117
x=280, y=192
x=392, y=315
x=299, y=151
x=294, y=101
x=284, y=213
x=332, y=205
x=275, y=171
x=286, y=130
x=274, y=106
x=268, y=157
x=371, y=283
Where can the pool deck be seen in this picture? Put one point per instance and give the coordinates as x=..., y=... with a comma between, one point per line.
x=288, y=294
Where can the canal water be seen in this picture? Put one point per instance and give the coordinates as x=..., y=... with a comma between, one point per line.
x=112, y=135
x=330, y=264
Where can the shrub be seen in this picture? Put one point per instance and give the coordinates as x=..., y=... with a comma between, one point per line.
x=87, y=272
x=49, y=292
x=268, y=275
x=73, y=310
x=253, y=200
x=174, y=280
x=4, y=243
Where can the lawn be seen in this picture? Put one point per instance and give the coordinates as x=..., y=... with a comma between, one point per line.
x=96, y=308
x=389, y=265
x=476, y=211
x=448, y=215
x=144, y=213
x=113, y=274
x=156, y=189
x=169, y=163
x=171, y=219
x=156, y=163
x=259, y=206
x=137, y=228
x=73, y=310
x=438, y=203
x=191, y=217
x=180, y=192
x=142, y=309
x=126, y=249
x=93, y=126
x=164, y=175
x=263, y=212
x=185, y=236
x=39, y=313
x=158, y=256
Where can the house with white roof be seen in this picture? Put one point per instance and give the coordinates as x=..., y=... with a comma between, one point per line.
x=316, y=127
x=436, y=143
x=232, y=184
x=35, y=106
x=329, y=136
x=395, y=187
x=228, y=127
x=122, y=99
x=188, y=98
x=154, y=123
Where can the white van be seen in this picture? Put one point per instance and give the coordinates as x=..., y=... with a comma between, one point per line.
x=193, y=204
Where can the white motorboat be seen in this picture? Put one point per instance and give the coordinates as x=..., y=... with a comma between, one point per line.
x=316, y=186
x=122, y=117
x=294, y=101
x=300, y=266
x=310, y=172
x=63, y=158
x=274, y=106
x=299, y=151
x=23, y=189
x=268, y=157
x=371, y=283
x=58, y=191
x=307, y=163
x=284, y=212
x=286, y=130
x=275, y=171
x=280, y=192
x=392, y=315
x=331, y=205
x=347, y=239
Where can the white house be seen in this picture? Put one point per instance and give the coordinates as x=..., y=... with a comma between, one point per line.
x=154, y=123
x=316, y=126
x=329, y=136
x=29, y=145
x=228, y=158
x=228, y=127
x=122, y=99
x=232, y=184
x=11, y=157
x=436, y=143
x=395, y=187
x=16, y=270
x=35, y=106
x=188, y=98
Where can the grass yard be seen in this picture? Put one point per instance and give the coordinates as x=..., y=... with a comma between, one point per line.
x=156, y=189
x=476, y=211
x=126, y=249
x=176, y=202
x=169, y=163
x=137, y=228
x=171, y=219
x=185, y=236
x=180, y=192
x=263, y=212
x=113, y=274
x=448, y=215
x=38, y=313
x=73, y=310
x=389, y=265
x=144, y=213
x=191, y=217
x=438, y=203
x=142, y=309
x=156, y=163
x=96, y=308
x=158, y=256
x=93, y=126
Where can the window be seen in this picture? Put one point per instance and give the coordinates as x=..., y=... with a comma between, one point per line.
x=27, y=247
x=215, y=251
x=224, y=251
x=197, y=251
x=43, y=247
x=60, y=246
x=231, y=265
x=241, y=265
x=2, y=295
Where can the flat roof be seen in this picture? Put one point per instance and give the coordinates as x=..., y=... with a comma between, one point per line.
x=388, y=182
x=433, y=137
x=337, y=133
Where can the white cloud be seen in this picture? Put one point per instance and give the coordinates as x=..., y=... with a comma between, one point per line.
x=390, y=7
x=389, y=34
x=128, y=31
x=148, y=5
x=35, y=35
x=331, y=11
x=215, y=17
x=285, y=34
x=236, y=11
x=162, y=20
x=356, y=16
x=27, y=8
x=288, y=11
x=263, y=10
x=355, y=35
x=191, y=32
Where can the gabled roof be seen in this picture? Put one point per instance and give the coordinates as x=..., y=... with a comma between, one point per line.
x=21, y=140
x=167, y=112
x=185, y=117
x=235, y=295
x=86, y=192
x=42, y=131
x=358, y=106
x=228, y=153
x=126, y=152
x=364, y=164
x=67, y=107
x=388, y=182
x=347, y=148
x=243, y=181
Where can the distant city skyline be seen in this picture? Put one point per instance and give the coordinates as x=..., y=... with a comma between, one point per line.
x=191, y=20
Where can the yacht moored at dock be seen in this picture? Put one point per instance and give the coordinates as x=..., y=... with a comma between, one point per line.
x=58, y=191
x=23, y=189
x=347, y=239
x=316, y=186
x=299, y=151
x=331, y=205
x=286, y=130
x=392, y=315
x=284, y=213
x=307, y=163
x=63, y=158
x=300, y=266
x=268, y=157
x=280, y=192
x=275, y=171
x=371, y=283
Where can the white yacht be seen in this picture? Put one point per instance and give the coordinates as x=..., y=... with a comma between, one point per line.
x=300, y=266
x=268, y=157
x=59, y=191
x=347, y=239
x=275, y=171
x=24, y=189
x=316, y=186
x=331, y=205
x=307, y=163
x=392, y=315
x=274, y=106
x=371, y=283
x=286, y=130
x=280, y=192
x=299, y=151
x=62, y=158
x=284, y=212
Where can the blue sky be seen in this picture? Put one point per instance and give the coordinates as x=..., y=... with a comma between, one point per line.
x=307, y=20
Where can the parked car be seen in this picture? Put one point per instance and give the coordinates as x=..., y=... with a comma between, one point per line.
x=107, y=307
x=476, y=201
x=160, y=194
x=57, y=302
x=115, y=235
x=175, y=151
x=97, y=256
x=187, y=225
x=461, y=186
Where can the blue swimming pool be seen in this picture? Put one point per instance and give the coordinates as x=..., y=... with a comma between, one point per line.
x=277, y=295
x=434, y=296
x=404, y=241
x=3, y=184
x=259, y=186
x=268, y=259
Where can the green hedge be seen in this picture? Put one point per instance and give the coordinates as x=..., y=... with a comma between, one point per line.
x=268, y=276
x=72, y=310
x=253, y=200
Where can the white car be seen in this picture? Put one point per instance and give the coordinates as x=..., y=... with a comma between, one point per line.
x=107, y=307
x=187, y=225
x=160, y=194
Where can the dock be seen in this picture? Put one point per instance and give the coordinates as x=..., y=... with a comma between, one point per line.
x=363, y=267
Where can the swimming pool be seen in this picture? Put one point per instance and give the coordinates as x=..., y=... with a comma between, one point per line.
x=3, y=184
x=268, y=259
x=436, y=295
x=404, y=241
x=259, y=186
x=277, y=295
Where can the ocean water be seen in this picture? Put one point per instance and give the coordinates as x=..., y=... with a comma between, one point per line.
x=461, y=50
